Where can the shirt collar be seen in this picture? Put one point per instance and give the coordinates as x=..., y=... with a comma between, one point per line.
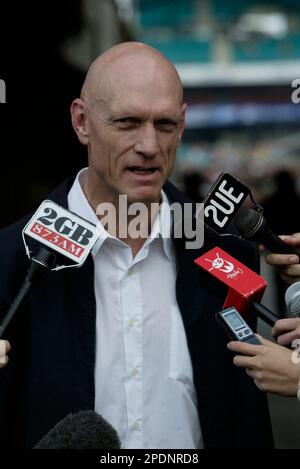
x=78, y=203
x=162, y=227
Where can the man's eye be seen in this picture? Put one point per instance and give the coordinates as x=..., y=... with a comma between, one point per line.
x=126, y=121
x=167, y=126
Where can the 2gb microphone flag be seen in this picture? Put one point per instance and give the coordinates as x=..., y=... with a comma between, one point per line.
x=62, y=231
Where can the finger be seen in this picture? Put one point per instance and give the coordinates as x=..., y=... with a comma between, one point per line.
x=261, y=248
x=250, y=372
x=267, y=343
x=285, y=238
x=242, y=361
x=264, y=341
x=7, y=346
x=292, y=240
x=258, y=384
x=4, y=347
x=290, y=279
x=3, y=360
x=287, y=339
x=282, y=259
x=290, y=271
x=285, y=325
x=242, y=347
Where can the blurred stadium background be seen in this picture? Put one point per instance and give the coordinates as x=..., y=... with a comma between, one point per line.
x=237, y=61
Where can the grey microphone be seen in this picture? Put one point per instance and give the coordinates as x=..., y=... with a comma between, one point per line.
x=83, y=430
x=292, y=299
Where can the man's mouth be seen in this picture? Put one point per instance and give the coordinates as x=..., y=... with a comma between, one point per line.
x=141, y=170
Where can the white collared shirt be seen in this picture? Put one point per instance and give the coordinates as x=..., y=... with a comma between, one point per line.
x=143, y=374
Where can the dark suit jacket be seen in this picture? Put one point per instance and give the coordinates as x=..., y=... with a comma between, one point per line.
x=51, y=368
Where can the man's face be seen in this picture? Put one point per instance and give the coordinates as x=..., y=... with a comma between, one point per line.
x=134, y=132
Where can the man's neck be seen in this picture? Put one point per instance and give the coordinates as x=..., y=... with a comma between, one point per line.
x=122, y=223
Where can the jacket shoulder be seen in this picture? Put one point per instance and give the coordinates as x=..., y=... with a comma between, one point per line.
x=11, y=242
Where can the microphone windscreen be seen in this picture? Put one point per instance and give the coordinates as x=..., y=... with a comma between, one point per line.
x=83, y=430
x=292, y=299
x=252, y=225
x=248, y=221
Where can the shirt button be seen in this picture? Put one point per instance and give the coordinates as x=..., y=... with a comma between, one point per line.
x=136, y=426
x=131, y=322
x=134, y=371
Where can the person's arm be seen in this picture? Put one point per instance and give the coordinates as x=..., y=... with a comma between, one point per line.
x=274, y=368
x=4, y=349
x=288, y=266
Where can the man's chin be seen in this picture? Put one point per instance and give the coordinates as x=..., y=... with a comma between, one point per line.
x=144, y=196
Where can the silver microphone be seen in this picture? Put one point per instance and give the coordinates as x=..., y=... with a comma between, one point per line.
x=292, y=299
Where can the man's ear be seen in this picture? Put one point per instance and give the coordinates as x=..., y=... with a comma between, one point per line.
x=79, y=120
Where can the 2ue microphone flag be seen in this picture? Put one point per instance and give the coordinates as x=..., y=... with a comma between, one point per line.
x=244, y=284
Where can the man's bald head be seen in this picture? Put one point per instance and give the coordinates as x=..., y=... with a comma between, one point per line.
x=128, y=62
x=131, y=117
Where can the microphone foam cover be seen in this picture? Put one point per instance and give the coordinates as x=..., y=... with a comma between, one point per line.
x=248, y=221
x=83, y=430
x=292, y=299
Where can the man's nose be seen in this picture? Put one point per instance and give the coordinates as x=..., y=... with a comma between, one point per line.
x=147, y=142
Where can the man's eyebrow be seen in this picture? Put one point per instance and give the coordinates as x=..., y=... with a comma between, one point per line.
x=167, y=120
x=124, y=117
x=120, y=116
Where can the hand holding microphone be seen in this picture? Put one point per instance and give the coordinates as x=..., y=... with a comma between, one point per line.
x=223, y=205
x=285, y=249
x=285, y=256
x=274, y=368
x=287, y=265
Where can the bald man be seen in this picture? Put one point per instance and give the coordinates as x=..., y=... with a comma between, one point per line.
x=132, y=333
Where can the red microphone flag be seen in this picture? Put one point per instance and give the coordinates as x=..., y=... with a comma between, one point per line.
x=244, y=284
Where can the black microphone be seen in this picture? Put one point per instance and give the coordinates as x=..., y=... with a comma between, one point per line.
x=41, y=260
x=252, y=225
x=83, y=430
x=264, y=313
x=54, y=236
